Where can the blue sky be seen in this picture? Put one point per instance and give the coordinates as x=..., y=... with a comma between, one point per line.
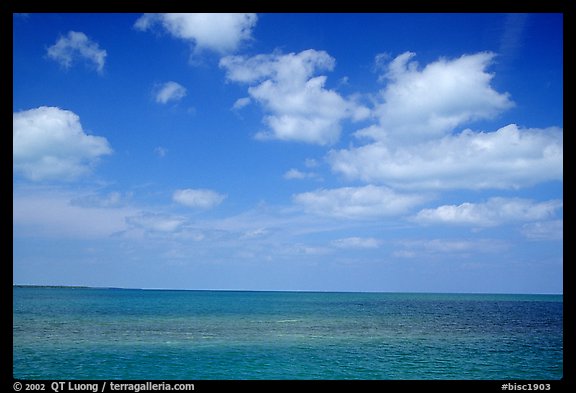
x=331, y=152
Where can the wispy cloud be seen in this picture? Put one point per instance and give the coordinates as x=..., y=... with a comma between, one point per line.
x=95, y=200
x=61, y=213
x=357, y=242
x=495, y=211
x=512, y=37
x=160, y=151
x=461, y=247
x=76, y=46
x=155, y=222
x=241, y=103
x=169, y=91
x=198, y=198
x=293, y=174
x=368, y=202
x=544, y=230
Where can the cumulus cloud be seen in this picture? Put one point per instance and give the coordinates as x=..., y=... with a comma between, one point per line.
x=417, y=105
x=220, y=32
x=49, y=143
x=198, y=198
x=170, y=91
x=357, y=202
x=415, y=143
x=508, y=158
x=495, y=211
x=299, y=106
x=76, y=46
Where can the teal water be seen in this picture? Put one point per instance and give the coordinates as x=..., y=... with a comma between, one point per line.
x=84, y=333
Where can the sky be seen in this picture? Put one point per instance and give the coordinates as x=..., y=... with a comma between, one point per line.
x=310, y=152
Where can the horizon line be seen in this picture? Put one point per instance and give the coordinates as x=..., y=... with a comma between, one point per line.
x=281, y=290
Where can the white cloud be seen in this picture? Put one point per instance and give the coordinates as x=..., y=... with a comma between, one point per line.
x=241, y=103
x=219, y=32
x=49, y=143
x=112, y=199
x=381, y=62
x=357, y=202
x=414, y=145
x=495, y=211
x=404, y=254
x=300, y=107
x=290, y=70
x=544, y=230
x=256, y=233
x=357, y=242
x=198, y=198
x=77, y=46
x=513, y=34
x=310, y=163
x=418, y=248
x=299, y=175
x=294, y=174
x=418, y=105
x=160, y=151
x=303, y=249
x=55, y=213
x=170, y=91
x=155, y=222
x=508, y=158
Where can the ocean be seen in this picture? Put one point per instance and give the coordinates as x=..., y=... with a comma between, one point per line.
x=94, y=333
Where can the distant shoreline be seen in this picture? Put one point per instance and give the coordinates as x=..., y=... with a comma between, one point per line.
x=58, y=286
x=278, y=290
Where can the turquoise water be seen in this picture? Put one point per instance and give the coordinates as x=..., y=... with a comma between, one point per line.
x=84, y=333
